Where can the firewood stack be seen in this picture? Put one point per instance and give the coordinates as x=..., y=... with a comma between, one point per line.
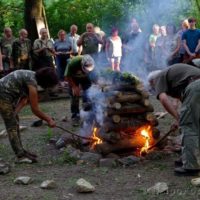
x=126, y=108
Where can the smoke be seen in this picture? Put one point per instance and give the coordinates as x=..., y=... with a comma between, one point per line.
x=146, y=13
x=95, y=115
x=137, y=60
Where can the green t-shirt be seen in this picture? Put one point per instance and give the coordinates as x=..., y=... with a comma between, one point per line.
x=90, y=43
x=15, y=85
x=175, y=79
x=74, y=68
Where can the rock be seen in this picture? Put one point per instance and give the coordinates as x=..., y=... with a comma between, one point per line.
x=48, y=184
x=112, y=155
x=84, y=186
x=128, y=161
x=4, y=133
x=158, y=188
x=196, y=182
x=91, y=157
x=107, y=162
x=24, y=180
x=76, y=154
x=154, y=155
x=4, y=168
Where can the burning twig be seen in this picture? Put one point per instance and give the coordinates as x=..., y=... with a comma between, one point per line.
x=74, y=134
x=162, y=138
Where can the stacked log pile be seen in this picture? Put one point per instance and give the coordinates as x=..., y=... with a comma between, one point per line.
x=126, y=108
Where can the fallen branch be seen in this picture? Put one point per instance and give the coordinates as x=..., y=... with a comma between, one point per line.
x=74, y=134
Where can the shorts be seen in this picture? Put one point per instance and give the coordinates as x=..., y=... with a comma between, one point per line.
x=115, y=59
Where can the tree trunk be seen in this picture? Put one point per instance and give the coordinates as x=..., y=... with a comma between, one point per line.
x=33, y=10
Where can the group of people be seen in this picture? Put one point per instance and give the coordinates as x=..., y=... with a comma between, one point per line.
x=76, y=57
x=134, y=50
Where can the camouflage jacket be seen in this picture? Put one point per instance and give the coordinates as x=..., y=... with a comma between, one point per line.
x=15, y=85
x=21, y=51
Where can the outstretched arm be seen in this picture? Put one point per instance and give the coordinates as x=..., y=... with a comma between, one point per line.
x=167, y=104
x=33, y=98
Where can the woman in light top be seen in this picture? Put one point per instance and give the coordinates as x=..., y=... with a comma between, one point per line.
x=114, y=50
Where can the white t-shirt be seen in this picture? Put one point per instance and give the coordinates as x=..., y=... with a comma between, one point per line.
x=115, y=47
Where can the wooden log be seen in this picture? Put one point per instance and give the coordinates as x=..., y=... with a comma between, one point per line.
x=155, y=133
x=111, y=137
x=151, y=118
x=130, y=109
x=115, y=105
x=116, y=118
x=127, y=143
x=132, y=124
x=145, y=102
x=132, y=98
x=121, y=87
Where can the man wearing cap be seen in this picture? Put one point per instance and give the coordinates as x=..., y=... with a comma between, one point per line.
x=182, y=81
x=79, y=73
x=191, y=42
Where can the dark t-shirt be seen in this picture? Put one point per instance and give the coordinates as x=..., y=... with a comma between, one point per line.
x=192, y=37
x=15, y=85
x=175, y=79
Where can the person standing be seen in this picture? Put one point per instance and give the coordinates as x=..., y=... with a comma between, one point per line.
x=43, y=50
x=182, y=81
x=16, y=89
x=114, y=50
x=74, y=37
x=6, y=47
x=90, y=42
x=21, y=51
x=191, y=41
x=63, y=49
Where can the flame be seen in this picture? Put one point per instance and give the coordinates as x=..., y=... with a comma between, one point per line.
x=145, y=132
x=96, y=139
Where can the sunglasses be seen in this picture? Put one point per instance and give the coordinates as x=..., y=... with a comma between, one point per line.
x=191, y=21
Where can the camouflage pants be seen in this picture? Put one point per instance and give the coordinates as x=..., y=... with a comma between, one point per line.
x=12, y=126
x=190, y=126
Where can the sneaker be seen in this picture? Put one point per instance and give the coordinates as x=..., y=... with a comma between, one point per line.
x=76, y=121
x=37, y=123
x=27, y=158
x=30, y=154
x=178, y=162
x=64, y=119
x=180, y=171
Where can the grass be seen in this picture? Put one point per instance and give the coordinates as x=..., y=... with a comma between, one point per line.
x=66, y=158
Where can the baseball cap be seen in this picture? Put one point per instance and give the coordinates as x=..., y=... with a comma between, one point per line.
x=87, y=63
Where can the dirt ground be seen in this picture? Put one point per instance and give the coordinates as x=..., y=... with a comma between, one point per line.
x=119, y=183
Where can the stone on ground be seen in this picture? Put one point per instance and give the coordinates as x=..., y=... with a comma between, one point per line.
x=84, y=186
x=158, y=188
x=196, y=182
x=91, y=157
x=24, y=180
x=48, y=184
x=128, y=161
x=108, y=162
x=4, y=168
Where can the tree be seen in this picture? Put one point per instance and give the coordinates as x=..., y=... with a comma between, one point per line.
x=32, y=13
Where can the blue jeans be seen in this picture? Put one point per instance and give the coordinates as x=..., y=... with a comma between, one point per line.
x=61, y=63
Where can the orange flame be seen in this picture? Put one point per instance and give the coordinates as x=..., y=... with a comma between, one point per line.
x=146, y=132
x=96, y=139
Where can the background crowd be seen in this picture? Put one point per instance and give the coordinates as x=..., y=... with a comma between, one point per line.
x=133, y=51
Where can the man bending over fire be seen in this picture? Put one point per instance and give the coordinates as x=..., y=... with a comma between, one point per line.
x=16, y=89
x=79, y=73
x=182, y=81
